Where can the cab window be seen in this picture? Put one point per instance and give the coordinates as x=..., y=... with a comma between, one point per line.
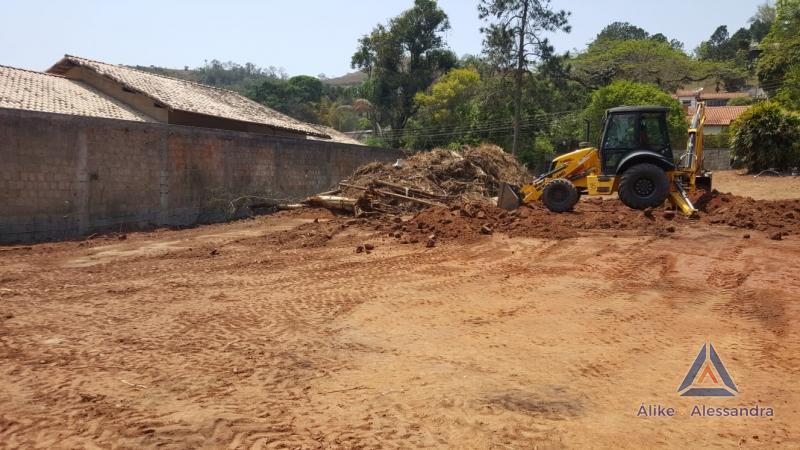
x=653, y=133
x=621, y=132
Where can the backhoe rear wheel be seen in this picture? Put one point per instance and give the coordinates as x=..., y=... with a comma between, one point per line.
x=644, y=186
x=560, y=195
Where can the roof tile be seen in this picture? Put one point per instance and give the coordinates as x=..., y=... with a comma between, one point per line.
x=185, y=95
x=36, y=91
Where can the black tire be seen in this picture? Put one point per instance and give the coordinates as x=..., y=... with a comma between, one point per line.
x=644, y=186
x=560, y=195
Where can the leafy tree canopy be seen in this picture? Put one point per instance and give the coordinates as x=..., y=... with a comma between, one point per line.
x=402, y=58
x=779, y=65
x=624, y=31
x=628, y=93
x=450, y=106
x=648, y=61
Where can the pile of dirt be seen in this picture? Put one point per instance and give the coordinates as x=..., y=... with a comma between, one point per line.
x=439, y=176
x=777, y=218
x=468, y=221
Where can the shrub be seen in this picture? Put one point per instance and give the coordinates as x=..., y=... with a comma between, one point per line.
x=766, y=136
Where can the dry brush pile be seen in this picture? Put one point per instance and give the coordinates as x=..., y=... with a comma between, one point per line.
x=436, y=178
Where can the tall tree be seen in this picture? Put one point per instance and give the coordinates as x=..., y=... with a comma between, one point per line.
x=648, y=61
x=403, y=58
x=622, y=31
x=779, y=64
x=761, y=22
x=515, y=38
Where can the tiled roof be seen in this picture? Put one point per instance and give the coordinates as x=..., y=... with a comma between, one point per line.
x=36, y=91
x=185, y=95
x=721, y=115
x=337, y=136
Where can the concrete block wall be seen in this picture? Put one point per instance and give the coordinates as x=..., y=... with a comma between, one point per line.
x=64, y=176
x=717, y=159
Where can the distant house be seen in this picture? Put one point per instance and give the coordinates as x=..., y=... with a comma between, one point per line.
x=719, y=118
x=83, y=87
x=690, y=98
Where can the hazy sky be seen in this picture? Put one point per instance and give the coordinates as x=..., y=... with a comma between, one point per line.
x=302, y=36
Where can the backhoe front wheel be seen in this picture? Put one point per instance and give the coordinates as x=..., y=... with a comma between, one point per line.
x=560, y=195
x=644, y=186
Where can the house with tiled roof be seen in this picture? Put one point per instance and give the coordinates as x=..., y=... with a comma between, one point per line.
x=719, y=118
x=690, y=98
x=180, y=102
x=84, y=87
x=43, y=92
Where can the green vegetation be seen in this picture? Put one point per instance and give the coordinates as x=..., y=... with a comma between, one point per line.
x=629, y=93
x=402, y=59
x=514, y=40
x=767, y=136
x=520, y=93
x=779, y=66
x=648, y=60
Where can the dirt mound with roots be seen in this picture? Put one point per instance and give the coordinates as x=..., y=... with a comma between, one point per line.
x=442, y=176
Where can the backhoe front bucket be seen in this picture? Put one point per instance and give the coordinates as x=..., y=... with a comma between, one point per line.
x=507, y=198
x=703, y=182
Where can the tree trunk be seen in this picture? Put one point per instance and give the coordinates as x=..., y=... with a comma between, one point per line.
x=518, y=88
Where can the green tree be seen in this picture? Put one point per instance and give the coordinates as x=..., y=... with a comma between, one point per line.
x=778, y=64
x=628, y=93
x=622, y=31
x=403, y=58
x=724, y=47
x=297, y=97
x=766, y=136
x=447, y=112
x=648, y=61
x=515, y=38
x=762, y=21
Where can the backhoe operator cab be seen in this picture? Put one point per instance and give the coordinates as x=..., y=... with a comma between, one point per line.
x=635, y=134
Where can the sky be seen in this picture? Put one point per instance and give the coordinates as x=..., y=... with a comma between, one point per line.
x=309, y=37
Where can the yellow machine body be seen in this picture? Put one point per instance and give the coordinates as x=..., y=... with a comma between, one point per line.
x=583, y=169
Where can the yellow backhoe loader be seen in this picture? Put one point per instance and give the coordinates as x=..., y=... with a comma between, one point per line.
x=635, y=160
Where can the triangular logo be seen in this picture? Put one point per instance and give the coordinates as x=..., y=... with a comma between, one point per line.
x=707, y=377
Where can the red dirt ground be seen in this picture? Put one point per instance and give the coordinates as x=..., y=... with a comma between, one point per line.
x=539, y=331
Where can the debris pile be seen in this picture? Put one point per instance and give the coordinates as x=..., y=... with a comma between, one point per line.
x=436, y=178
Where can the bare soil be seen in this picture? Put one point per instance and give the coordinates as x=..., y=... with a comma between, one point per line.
x=540, y=331
x=759, y=188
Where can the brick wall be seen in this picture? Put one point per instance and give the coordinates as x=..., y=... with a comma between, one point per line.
x=64, y=176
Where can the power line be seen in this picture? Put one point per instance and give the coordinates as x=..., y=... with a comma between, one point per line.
x=490, y=122
x=426, y=131
x=474, y=131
